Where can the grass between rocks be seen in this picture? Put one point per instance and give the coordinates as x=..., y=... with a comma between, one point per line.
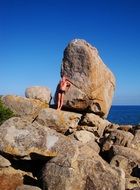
x=5, y=113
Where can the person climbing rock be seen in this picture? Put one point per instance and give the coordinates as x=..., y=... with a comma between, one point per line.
x=63, y=86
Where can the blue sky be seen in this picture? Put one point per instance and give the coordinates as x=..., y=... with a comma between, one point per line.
x=34, y=34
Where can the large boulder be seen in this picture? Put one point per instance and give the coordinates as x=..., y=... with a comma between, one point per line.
x=92, y=83
x=85, y=170
x=61, y=121
x=26, y=141
x=23, y=107
x=39, y=92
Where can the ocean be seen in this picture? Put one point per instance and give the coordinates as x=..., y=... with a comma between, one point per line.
x=124, y=115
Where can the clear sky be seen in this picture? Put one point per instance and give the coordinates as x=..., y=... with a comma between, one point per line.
x=34, y=34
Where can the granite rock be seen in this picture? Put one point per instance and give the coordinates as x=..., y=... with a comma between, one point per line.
x=92, y=83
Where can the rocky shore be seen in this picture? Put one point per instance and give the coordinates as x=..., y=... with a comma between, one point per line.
x=75, y=148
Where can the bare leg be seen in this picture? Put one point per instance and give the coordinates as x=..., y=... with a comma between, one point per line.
x=62, y=100
x=58, y=101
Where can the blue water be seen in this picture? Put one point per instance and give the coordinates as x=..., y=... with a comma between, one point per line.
x=125, y=115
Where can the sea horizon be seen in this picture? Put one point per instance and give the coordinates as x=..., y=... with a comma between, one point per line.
x=124, y=114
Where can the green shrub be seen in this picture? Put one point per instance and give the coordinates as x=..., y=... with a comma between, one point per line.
x=5, y=113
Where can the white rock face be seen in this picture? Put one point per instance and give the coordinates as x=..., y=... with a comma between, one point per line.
x=39, y=92
x=21, y=138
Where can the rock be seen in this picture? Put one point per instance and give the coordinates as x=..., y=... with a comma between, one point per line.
x=136, y=127
x=39, y=92
x=111, y=127
x=97, y=123
x=125, y=127
x=136, y=141
x=118, y=137
x=124, y=163
x=86, y=171
x=23, y=107
x=4, y=162
x=129, y=153
x=132, y=183
x=93, y=83
x=10, y=179
x=84, y=136
x=61, y=121
x=32, y=141
x=87, y=138
x=27, y=187
x=91, y=129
